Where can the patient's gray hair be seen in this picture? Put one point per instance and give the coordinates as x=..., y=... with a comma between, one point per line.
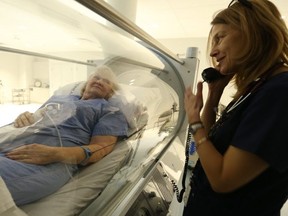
x=107, y=73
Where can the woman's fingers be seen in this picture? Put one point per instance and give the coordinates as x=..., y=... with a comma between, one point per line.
x=193, y=103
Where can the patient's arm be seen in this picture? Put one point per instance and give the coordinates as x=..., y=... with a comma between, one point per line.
x=100, y=146
x=42, y=154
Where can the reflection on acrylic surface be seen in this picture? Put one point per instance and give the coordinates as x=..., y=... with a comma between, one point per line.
x=78, y=44
x=151, y=104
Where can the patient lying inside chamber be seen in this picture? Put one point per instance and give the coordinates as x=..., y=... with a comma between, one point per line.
x=44, y=150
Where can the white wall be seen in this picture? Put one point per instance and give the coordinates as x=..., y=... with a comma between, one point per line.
x=20, y=72
x=14, y=73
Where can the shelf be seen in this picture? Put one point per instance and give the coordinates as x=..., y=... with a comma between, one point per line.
x=21, y=96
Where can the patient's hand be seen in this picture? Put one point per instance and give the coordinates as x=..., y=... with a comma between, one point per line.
x=34, y=154
x=24, y=119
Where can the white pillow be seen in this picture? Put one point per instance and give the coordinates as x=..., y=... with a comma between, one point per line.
x=122, y=99
x=129, y=105
x=70, y=89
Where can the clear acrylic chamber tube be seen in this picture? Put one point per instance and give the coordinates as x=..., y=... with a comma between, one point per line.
x=50, y=48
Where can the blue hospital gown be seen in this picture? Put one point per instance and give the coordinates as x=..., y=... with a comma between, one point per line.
x=75, y=121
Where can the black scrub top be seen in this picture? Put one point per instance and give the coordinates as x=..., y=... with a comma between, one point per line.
x=257, y=124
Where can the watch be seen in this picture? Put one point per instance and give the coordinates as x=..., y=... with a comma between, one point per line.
x=193, y=128
x=88, y=154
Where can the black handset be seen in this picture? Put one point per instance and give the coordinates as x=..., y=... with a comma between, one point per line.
x=211, y=74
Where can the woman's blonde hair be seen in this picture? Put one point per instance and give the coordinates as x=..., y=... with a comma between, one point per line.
x=264, y=38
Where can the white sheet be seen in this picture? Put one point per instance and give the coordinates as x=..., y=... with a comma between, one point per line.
x=83, y=188
x=7, y=205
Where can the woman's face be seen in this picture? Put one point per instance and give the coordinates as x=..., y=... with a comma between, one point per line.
x=226, y=46
x=98, y=87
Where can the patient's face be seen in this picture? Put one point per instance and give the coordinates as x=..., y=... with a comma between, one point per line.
x=98, y=87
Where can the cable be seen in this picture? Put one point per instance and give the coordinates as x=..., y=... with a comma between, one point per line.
x=180, y=194
x=57, y=130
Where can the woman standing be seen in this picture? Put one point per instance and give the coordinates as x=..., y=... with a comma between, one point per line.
x=243, y=164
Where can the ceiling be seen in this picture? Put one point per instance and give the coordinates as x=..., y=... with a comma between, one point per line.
x=184, y=18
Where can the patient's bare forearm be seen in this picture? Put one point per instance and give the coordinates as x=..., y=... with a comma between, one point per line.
x=76, y=155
